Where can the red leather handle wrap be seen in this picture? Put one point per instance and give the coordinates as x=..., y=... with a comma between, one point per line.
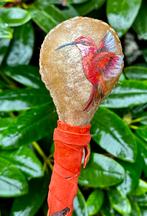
x=70, y=143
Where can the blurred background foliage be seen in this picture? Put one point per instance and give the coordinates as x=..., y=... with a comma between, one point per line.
x=114, y=181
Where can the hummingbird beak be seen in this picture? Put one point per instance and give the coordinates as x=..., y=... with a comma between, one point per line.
x=67, y=44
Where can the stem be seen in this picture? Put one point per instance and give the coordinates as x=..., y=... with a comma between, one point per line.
x=136, y=120
x=133, y=127
x=41, y=153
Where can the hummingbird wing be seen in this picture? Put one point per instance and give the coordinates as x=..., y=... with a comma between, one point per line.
x=107, y=44
x=108, y=64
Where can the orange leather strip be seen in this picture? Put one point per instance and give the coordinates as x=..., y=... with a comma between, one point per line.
x=70, y=143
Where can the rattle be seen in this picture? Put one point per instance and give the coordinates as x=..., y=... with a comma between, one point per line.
x=81, y=60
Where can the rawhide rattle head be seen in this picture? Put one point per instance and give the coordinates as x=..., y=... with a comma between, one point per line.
x=80, y=61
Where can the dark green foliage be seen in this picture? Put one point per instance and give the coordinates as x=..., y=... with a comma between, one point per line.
x=114, y=181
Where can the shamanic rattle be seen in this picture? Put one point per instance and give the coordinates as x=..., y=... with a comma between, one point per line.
x=80, y=62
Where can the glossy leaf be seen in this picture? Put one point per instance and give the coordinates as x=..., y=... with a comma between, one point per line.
x=50, y=9
x=135, y=209
x=22, y=99
x=45, y=3
x=145, y=54
x=22, y=46
x=5, y=122
x=30, y=126
x=4, y=44
x=141, y=189
x=113, y=135
x=101, y=171
x=132, y=175
x=144, y=118
x=44, y=20
x=107, y=211
x=2, y=85
x=143, y=148
x=140, y=24
x=25, y=74
x=88, y=6
x=12, y=181
x=128, y=94
x=121, y=14
x=141, y=200
x=119, y=202
x=142, y=132
x=94, y=202
x=143, y=211
x=14, y=16
x=29, y=204
x=25, y=160
x=136, y=72
x=70, y=11
x=80, y=208
x=5, y=31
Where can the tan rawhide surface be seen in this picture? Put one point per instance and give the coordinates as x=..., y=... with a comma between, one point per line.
x=62, y=72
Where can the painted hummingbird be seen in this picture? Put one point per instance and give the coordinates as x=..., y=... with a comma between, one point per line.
x=100, y=63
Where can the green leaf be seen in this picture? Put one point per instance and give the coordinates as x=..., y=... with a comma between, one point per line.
x=141, y=189
x=144, y=52
x=142, y=132
x=45, y=3
x=70, y=11
x=22, y=99
x=101, y=171
x=128, y=94
x=107, y=211
x=25, y=160
x=25, y=74
x=2, y=4
x=80, y=208
x=119, y=202
x=121, y=14
x=143, y=148
x=88, y=6
x=5, y=122
x=5, y=31
x=135, y=209
x=2, y=85
x=50, y=9
x=12, y=181
x=94, y=202
x=4, y=44
x=44, y=20
x=58, y=15
x=140, y=24
x=113, y=135
x=143, y=211
x=32, y=125
x=22, y=46
x=29, y=204
x=14, y=16
x=141, y=200
x=132, y=175
x=144, y=118
x=136, y=72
